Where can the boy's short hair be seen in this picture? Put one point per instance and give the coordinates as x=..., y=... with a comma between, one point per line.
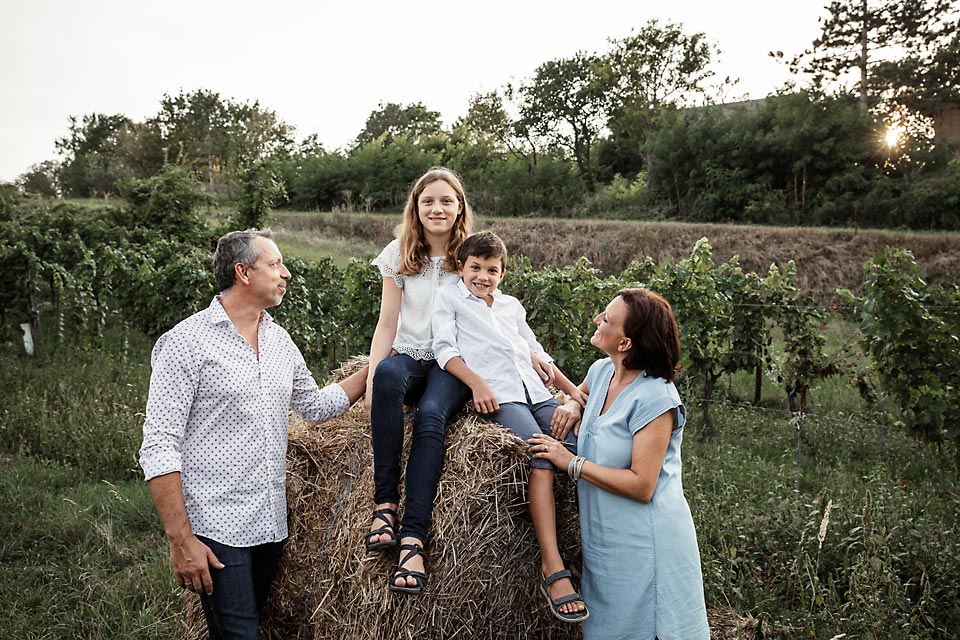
x=483, y=244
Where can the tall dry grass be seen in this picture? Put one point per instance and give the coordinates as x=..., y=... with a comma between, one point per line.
x=826, y=259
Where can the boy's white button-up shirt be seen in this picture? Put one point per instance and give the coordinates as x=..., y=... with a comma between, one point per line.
x=495, y=342
x=218, y=415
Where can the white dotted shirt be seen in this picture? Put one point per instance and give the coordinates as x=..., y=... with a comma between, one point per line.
x=218, y=415
x=495, y=342
x=414, y=334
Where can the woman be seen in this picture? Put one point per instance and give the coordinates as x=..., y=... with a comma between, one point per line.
x=641, y=564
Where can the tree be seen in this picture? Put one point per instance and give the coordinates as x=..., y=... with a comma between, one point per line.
x=168, y=202
x=40, y=179
x=656, y=69
x=213, y=137
x=567, y=103
x=860, y=34
x=93, y=162
x=382, y=173
x=925, y=81
x=390, y=120
x=488, y=120
x=261, y=187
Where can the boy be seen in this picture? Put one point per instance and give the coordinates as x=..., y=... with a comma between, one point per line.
x=481, y=336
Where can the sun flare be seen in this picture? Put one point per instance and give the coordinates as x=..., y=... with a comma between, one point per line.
x=892, y=136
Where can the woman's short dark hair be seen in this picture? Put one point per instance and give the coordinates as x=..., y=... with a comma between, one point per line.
x=653, y=333
x=236, y=247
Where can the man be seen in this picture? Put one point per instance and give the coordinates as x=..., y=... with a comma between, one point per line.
x=215, y=435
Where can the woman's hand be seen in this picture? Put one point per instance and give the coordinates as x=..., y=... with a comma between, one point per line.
x=565, y=418
x=544, y=447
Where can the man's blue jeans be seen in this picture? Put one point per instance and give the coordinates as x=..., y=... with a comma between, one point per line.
x=240, y=589
x=438, y=395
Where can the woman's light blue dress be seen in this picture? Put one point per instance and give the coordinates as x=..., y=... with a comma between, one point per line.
x=641, y=564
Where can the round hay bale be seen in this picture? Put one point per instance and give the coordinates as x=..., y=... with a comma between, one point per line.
x=483, y=563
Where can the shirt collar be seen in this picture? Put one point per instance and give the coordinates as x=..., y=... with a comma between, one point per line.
x=468, y=295
x=218, y=315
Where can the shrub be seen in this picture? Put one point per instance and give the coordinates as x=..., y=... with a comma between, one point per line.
x=168, y=203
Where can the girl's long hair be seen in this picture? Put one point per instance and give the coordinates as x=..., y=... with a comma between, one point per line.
x=414, y=251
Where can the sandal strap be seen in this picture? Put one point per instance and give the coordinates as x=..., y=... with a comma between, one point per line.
x=407, y=573
x=559, y=575
x=562, y=600
x=386, y=511
x=413, y=550
x=385, y=529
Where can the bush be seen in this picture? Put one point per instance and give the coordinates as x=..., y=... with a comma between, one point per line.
x=512, y=187
x=168, y=203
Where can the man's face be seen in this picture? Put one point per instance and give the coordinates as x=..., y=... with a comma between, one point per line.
x=268, y=277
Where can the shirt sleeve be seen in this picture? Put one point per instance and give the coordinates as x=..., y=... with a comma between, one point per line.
x=657, y=401
x=389, y=263
x=309, y=400
x=173, y=387
x=444, y=325
x=528, y=336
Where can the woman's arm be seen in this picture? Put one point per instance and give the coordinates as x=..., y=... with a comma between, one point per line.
x=384, y=334
x=640, y=480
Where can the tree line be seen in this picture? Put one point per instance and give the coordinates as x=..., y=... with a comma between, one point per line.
x=636, y=131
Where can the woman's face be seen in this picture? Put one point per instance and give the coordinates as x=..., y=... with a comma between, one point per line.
x=609, y=334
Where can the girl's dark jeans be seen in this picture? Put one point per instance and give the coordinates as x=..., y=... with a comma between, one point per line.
x=438, y=395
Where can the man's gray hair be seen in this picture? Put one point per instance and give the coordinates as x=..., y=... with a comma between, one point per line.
x=236, y=247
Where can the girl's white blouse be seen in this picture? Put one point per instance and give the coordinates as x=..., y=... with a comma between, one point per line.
x=414, y=332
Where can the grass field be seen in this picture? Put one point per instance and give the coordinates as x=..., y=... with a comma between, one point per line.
x=833, y=527
x=83, y=554
x=826, y=258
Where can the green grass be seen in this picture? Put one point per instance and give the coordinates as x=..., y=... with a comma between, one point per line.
x=297, y=239
x=80, y=558
x=81, y=406
x=82, y=552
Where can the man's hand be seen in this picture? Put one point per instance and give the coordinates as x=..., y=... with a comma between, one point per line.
x=192, y=560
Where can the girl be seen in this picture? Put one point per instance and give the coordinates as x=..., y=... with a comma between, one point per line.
x=436, y=221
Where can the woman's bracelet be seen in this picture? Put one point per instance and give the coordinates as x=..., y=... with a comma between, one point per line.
x=574, y=467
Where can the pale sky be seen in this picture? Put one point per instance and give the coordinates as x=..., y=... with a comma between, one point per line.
x=324, y=66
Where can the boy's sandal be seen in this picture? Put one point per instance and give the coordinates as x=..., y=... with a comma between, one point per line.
x=386, y=529
x=413, y=550
x=575, y=616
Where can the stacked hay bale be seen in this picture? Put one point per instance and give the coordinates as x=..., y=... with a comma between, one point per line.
x=483, y=568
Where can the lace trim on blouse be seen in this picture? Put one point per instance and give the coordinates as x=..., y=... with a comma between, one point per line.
x=431, y=270
x=416, y=354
